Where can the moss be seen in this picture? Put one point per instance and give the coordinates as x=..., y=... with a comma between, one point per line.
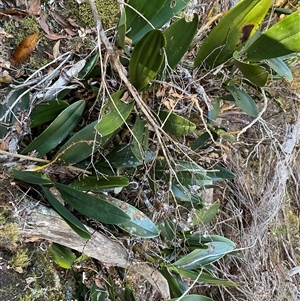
x=20, y=259
x=108, y=11
x=9, y=235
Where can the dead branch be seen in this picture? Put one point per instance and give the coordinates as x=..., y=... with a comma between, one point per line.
x=45, y=223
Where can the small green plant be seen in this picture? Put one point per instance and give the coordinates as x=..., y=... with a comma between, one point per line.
x=123, y=143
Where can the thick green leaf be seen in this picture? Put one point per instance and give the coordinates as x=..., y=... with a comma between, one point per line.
x=280, y=67
x=181, y=192
x=146, y=59
x=98, y=208
x=256, y=74
x=46, y=111
x=217, y=238
x=31, y=177
x=123, y=156
x=202, y=257
x=113, y=114
x=192, y=298
x=232, y=32
x=175, y=124
x=122, y=30
x=204, y=217
x=167, y=229
x=179, y=37
x=84, y=74
x=140, y=138
x=137, y=19
x=198, y=240
x=204, y=141
x=58, y=130
x=187, y=173
x=72, y=221
x=174, y=287
x=83, y=144
x=139, y=224
x=100, y=183
x=98, y=294
x=243, y=100
x=204, y=277
x=62, y=256
x=220, y=173
x=158, y=15
x=281, y=39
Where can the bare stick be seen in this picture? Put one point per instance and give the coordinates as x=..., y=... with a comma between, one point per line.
x=45, y=223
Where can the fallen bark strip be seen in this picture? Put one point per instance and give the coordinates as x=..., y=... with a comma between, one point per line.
x=45, y=223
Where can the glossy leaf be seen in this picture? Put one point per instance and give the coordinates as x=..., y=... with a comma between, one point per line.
x=89, y=67
x=122, y=30
x=98, y=294
x=146, y=59
x=174, y=287
x=216, y=238
x=83, y=144
x=140, y=139
x=71, y=220
x=167, y=229
x=123, y=156
x=232, y=32
x=280, y=67
x=139, y=224
x=62, y=256
x=181, y=192
x=204, y=141
x=98, y=208
x=202, y=257
x=136, y=24
x=179, y=37
x=113, y=114
x=58, y=130
x=158, y=13
x=100, y=183
x=46, y=111
x=204, y=217
x=220, y=173
x=187, y=173
x=281, y=39
x=192, y=298
x=175, y=124
x=256, y=74
x=31, y=177
x=204, y=277
x=243, y=100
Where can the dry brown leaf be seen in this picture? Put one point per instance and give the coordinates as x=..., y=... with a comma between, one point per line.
x=70, y=32
x=56, y=49
x=34, y=8
x=54, y=36
x=43, y=24
x=73, y=23
x=24, y=50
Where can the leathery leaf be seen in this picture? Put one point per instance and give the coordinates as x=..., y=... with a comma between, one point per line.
x=58, y=130
x=146, y=59
x=232, y=32
x=98, y=208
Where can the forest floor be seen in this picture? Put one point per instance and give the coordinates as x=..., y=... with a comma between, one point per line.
x=260, y=209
